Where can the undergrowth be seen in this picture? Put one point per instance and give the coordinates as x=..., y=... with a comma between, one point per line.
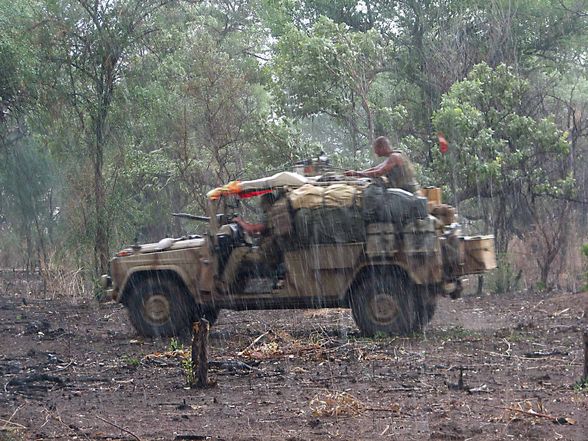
x=581, y=385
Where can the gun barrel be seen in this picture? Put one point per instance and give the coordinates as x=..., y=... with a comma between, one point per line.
x=191, y=216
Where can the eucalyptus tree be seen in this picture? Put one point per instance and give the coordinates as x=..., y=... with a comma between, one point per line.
x=17, y=60
x=26, y=178
x=87, y=46
x=331, y=69
x=26, y=182
x=202, y=114
x=504, y=160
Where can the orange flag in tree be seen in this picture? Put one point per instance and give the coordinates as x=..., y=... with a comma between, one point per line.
x=443, y=144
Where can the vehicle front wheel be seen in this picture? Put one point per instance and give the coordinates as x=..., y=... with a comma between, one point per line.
x=160, y=307
x=383, y=302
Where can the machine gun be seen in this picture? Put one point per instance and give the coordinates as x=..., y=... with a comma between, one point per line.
x=191, y=217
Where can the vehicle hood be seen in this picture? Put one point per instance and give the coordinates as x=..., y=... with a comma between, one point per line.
x=169, y=244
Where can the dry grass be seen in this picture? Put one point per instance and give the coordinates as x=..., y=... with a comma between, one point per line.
x=60, y=279
x=336, y=404
x=177, y=354
x=274, y=345
x=66, y=283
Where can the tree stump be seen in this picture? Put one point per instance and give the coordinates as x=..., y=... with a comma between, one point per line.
x=200, y=353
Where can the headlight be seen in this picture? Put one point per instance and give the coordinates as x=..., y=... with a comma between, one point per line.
x=105, y=281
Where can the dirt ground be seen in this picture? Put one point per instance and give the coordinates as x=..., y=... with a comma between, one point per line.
x=75, y=369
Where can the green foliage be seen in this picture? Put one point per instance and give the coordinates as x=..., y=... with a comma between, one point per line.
x=497, y=148
x=8, y=75
x=135, y=205
x=331, y=70
x=505, y=278
x=18, y=62
x=325, y=65
x=175, y=344
x=132, y=361
x=189, y=374
x=27, y=186
x=581, y=386
x=279, y=15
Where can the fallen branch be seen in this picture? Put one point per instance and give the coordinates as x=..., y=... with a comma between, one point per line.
x=394, y=408
x=231, y=365
x=9, y=421
x=541, y=354
x=530, y=413
x=253, y=343
x=119, y=427
x=35, y=378
x=6, y=423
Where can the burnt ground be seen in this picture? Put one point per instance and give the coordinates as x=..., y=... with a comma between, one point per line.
x=75, y=369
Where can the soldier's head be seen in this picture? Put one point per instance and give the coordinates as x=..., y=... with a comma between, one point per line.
x=382, y=146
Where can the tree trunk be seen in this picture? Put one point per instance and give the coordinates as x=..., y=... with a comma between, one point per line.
x=101, y=239
x=370, y=118
x=105, y=88
x=544, y=274
x=480, y=289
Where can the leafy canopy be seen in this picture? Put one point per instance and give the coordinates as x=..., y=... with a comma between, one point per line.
x=497, y=145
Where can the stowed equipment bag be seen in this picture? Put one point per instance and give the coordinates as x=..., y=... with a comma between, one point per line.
x=392, y=205
x=314, y=196
x=326, y=225
x=326, y=215
x=339, y=213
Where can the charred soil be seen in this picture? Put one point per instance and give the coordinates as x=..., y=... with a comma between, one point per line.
x=487, y=368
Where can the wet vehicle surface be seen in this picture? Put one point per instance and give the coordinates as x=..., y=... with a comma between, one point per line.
x=386, y=254
x=76, y=369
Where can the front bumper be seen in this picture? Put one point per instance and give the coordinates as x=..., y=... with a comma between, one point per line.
x=106, y=284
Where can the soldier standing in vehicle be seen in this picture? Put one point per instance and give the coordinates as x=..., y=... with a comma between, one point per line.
x=396, y=171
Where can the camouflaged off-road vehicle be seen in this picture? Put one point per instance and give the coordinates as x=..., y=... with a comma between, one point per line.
x=385, y=253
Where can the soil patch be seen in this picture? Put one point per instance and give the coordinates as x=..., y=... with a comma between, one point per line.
x=487, y=368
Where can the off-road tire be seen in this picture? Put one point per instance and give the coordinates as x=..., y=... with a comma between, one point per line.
x=160, y=307
x=383, y=303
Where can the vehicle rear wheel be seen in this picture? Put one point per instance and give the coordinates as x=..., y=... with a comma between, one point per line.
x=383, y=302
x=160, y=307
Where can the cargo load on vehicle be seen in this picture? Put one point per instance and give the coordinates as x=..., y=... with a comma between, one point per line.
x=340, y=213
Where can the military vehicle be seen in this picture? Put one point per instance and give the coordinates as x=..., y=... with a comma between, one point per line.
x=337, y=242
